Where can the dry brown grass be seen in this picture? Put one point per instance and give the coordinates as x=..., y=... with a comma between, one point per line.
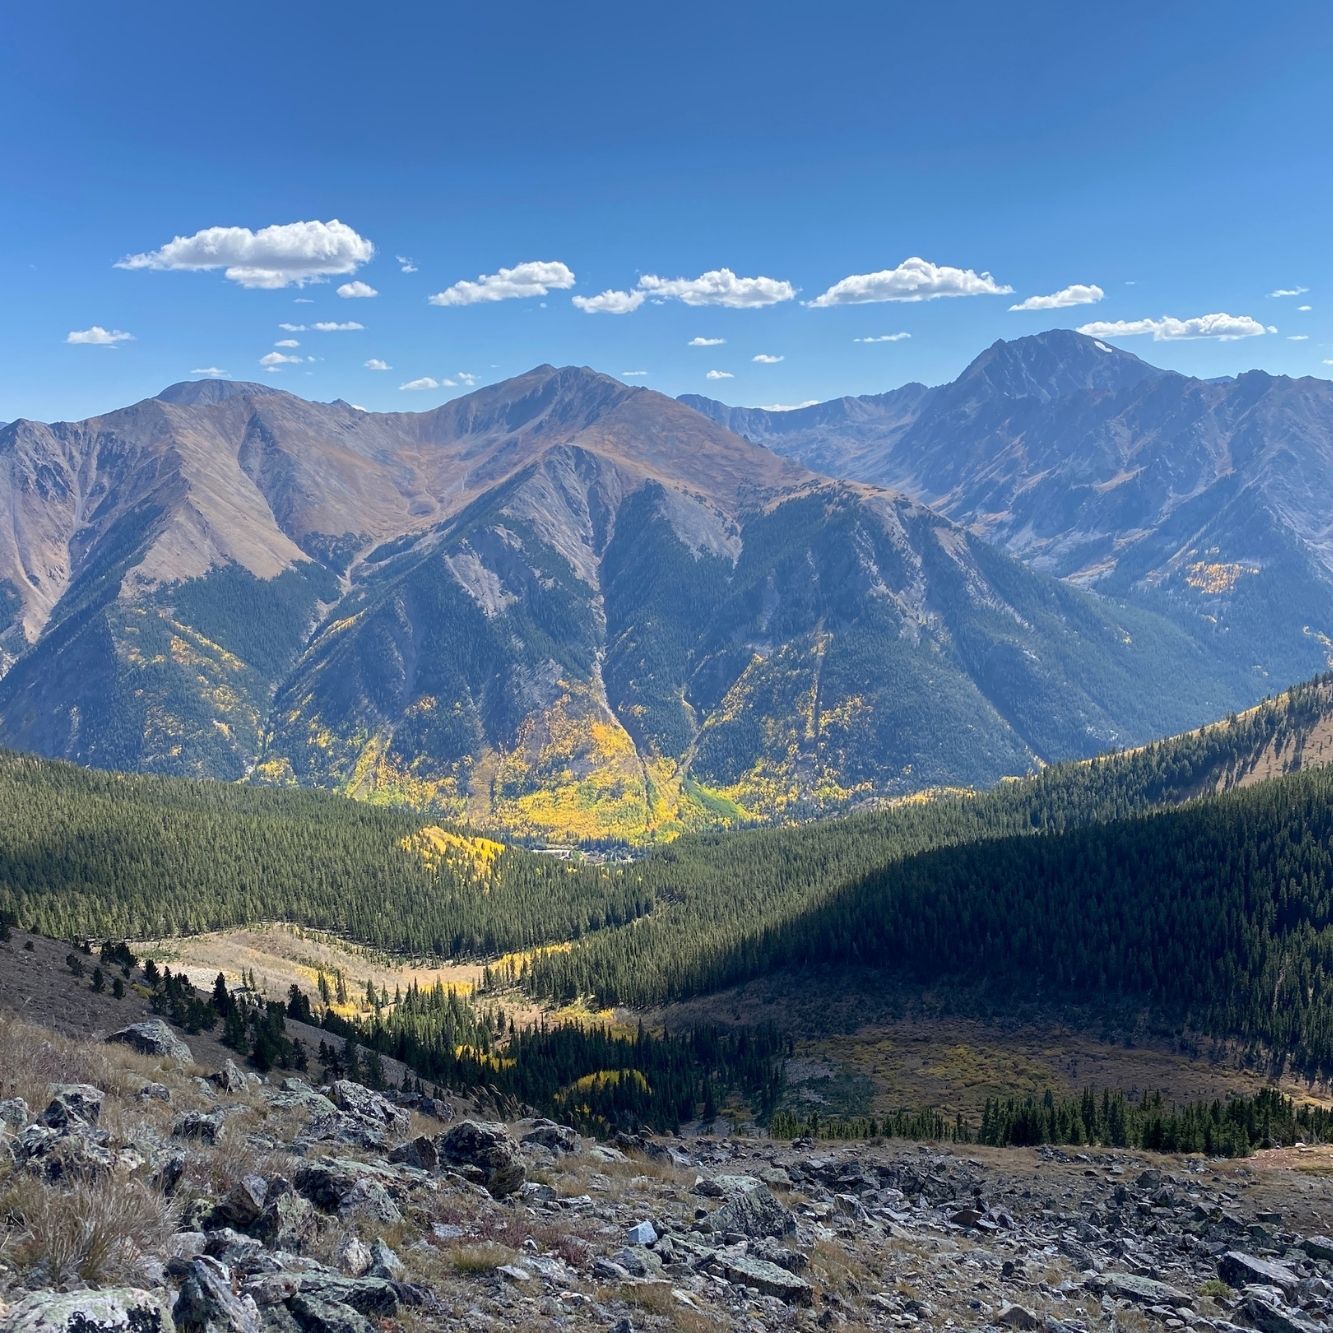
x=656, y=1298
x=95, y=1231
x=32, y=1058
x=483, y=1256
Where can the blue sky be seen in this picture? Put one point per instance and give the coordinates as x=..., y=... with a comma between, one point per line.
x=1174, y=156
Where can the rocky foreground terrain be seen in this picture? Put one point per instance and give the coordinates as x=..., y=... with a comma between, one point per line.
x=140, y=1191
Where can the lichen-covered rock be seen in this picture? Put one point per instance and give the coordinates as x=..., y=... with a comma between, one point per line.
x=484, y=1153
x=14, y=1113
x=368, y=1201
x=204, y=1126
x=230, y=1078
x=73, y=1106
x=207, y=1304
x=111, y=1310
x=766, y=1278
x=749, y=1209
x=369, y=1107
x=552, y=1136
x=154, y=1037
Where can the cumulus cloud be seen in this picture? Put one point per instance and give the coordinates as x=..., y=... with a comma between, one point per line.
x=405, y=265
x=287, y=342
x=767, y=359
x=705, y=342
x=883, y=338
x=719, y=286
x=632, y=374
x=536, y=277
x=287, y=255
x=1078, y=293
x=332, y=326
x=352, y=291
x=209, y=372
x=424, y=382
x=609, y=302
x=1226, y=328
x=272, y=359
x=1289, y=291
x=376, y=364
x=97, y=336
x=914, y=279
x=719, y=375
x=465, y=377
x=787, y=407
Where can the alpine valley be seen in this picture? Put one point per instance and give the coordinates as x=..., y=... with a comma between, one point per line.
x=575, y=610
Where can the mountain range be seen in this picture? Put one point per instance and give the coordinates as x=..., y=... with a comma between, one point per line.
x=571, y=608
x=1201, y=499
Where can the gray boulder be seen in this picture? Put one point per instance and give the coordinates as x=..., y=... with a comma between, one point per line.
x=199, y=1125
x=154, y=1037
x=207, y=1304
x=111, y=1310
x=369, y=1107
x=230, y=1078
x=766, y=1278
x=1238, y=1269
x=311, y=1315
x=73, y=1106
x=485, y=1154
x=749, y=1209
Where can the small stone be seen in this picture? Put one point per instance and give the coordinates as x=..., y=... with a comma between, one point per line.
x=353, y=1257
x=642, y=1233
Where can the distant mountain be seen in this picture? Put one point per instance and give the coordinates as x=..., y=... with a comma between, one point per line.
x=1204, y=500
x=558, y=604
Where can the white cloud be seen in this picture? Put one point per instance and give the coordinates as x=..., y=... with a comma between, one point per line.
x=1298, y=337
x=884, y=338
x=767, y=359
x=787, y=407
x=405, y=265
x=536, y=277
x=1289, y=291
x=291, y=254
x=97, y=336
x=302, y=300
x=293, y=328
x=1305, y=307
x=609, y=302
x=1078, y=293
x=465, y=378
x=351, y=291
x=376, y=364
x=1226, y=328
x=331, y=326
x=914, y=279
x=719, y=375
x=719, y=286
x=287, y=342
x=1328, y=360
x=425, y=382
x=356, y=407
x=209, y=372
x=272, y=359
x=632, y=374
x=705, y=342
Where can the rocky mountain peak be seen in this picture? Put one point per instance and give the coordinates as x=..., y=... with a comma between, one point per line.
x=204, y=393
x=1053, y=364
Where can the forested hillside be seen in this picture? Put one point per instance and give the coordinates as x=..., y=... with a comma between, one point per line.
x=1083, y=880
x=85, y=852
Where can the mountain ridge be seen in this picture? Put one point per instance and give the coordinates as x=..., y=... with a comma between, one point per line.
x=561, y=604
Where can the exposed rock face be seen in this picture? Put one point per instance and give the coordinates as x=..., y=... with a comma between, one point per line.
x=73, y=1106
x=154, y=1037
